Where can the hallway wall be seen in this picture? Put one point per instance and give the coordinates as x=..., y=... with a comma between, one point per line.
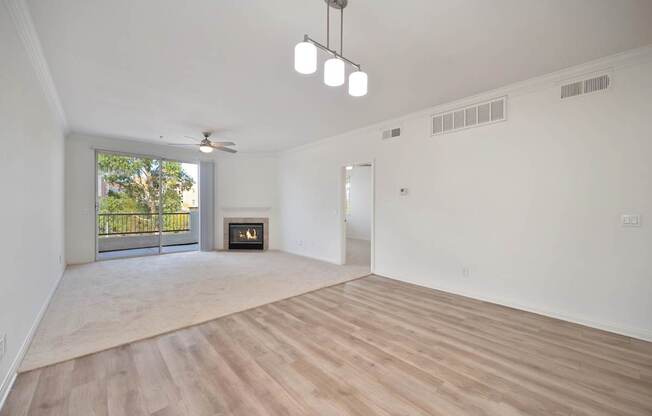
x=358, y=222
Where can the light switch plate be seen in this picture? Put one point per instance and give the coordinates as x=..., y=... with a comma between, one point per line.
x=630, y=220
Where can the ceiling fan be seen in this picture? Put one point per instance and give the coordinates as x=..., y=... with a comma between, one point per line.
x=207, y=145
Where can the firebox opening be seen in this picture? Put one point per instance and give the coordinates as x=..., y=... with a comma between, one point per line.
x=246, y=236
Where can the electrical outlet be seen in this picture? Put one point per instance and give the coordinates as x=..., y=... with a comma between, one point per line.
x=3, y=345
x=466, y=272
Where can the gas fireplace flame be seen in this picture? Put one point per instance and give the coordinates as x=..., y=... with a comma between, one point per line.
x=250, y=234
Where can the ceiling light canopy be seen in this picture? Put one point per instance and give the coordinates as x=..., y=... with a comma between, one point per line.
x=305, y=57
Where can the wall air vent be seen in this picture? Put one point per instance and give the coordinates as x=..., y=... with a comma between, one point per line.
x=586, y=86
x=391, y=133
x=571, y=90
x=475, y=115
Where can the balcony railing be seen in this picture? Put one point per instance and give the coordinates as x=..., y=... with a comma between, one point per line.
x=141, y=223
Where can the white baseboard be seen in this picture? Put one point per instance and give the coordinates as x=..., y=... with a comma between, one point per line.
x=7, y=384
x=356, y=237
x=638, y=333
x=10, y=378
x=294, y=253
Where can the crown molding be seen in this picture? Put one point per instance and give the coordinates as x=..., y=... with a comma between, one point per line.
x=20, y=15
x=621, y=60
x=126, y=140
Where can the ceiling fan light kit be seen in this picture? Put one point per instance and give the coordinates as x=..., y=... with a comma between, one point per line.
x=305, y=57
x=207, y=145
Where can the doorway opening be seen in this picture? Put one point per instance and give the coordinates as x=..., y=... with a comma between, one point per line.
x=358, y=215
x=145, y=206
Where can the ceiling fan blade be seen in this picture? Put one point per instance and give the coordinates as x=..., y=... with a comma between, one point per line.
x=223, y=143
x=192, y=138
x=182, y=144
x=225, y=149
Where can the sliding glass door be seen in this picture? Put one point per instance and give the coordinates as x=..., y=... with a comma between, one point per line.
x=180, y=199
x=144, y=206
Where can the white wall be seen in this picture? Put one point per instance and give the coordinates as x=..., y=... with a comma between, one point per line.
x=247, y=186
x=358, y=223
x=243, y=182
x=31, y=185
x=530, y=206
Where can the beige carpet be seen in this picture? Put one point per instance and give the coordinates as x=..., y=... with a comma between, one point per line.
x=110, y=303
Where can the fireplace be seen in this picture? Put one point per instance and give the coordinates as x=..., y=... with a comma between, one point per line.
x=246, y=236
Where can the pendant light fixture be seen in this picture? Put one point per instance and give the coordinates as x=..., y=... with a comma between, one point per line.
x=334, y=72
x=358, y=84
x=305, y=57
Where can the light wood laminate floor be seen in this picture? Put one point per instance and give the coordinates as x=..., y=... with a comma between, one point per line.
x=102, y=305
x=372, y=346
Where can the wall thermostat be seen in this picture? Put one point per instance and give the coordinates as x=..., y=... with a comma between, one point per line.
x=404, y=191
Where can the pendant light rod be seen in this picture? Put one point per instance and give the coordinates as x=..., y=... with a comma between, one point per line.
x=326, y=49
x=328, y=25
x=342, y=31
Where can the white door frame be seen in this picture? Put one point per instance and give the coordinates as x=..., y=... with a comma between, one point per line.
x=342, y=212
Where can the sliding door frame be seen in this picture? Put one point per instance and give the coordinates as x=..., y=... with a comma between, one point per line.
x=98, y=151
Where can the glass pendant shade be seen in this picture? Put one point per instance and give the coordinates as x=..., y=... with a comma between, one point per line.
x=305, y=58
x=358, y=84
x=205, y=148
x=334, y=72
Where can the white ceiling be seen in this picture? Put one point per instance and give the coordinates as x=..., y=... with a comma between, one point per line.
x=145, y=68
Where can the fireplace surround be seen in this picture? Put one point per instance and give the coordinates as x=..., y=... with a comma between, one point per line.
x=246, y=233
